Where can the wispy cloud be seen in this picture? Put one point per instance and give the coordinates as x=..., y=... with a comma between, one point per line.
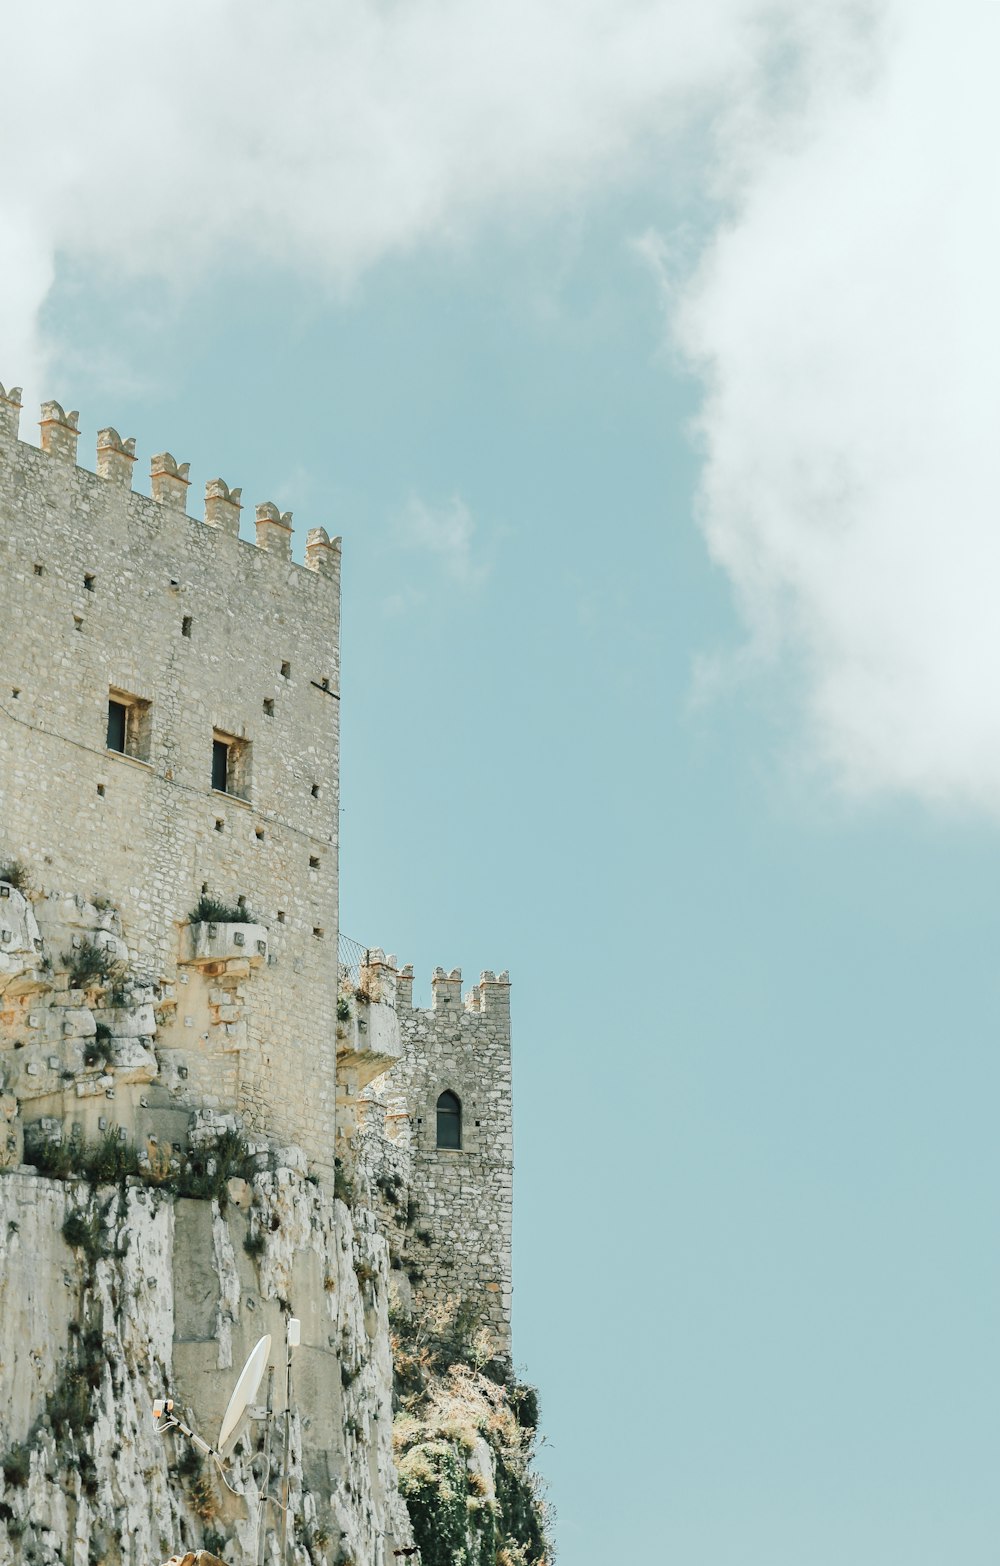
x=447, y=534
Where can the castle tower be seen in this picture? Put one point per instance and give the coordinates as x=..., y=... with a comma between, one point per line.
x=169, y=739
x=455, y=1078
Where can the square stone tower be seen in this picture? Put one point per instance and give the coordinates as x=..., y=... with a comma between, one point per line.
x=172, y=691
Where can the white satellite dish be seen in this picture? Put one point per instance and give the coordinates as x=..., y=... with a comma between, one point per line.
x=244, y=1391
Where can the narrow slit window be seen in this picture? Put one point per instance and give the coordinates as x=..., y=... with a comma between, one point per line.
x=286, y=671
x=313, y=862
x=449, y=1120
x=88, y=582
x=269, y=706
x=186, y=626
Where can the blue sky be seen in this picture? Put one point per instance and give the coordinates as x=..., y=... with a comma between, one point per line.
x=653, y=426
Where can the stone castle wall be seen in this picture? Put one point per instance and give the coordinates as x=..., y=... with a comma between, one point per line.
x=108, y=593
x=464, y=1195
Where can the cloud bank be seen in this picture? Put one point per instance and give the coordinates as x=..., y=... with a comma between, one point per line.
x=166, y=138
x=845, y=324
x=842, y=314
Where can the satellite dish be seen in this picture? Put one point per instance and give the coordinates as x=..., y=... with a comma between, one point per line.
x=244, y=1391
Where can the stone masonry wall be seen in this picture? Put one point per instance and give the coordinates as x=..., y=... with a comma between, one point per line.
x=464, y=1195
x=103, y=590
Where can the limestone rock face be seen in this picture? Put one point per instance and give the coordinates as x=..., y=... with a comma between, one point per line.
x=111, y=1296
x=20, y=944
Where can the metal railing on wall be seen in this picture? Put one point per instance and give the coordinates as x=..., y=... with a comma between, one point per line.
x=352, y=957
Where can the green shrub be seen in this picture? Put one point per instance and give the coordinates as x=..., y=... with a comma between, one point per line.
x=343, y=1009
x=390, y=1185
x=85, y=964
x=523, y=1400
x=208, y=1168
x=16, y=874
x=254, y=1242
x=17, y=1466
x=68, y=1405
x=433, y=1479
x=85, y=1232
x=209, y=910
x=111, y=1160
x=343, y=1185
x=58, y=1160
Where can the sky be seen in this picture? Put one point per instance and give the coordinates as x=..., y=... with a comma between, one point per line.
x=644, y=353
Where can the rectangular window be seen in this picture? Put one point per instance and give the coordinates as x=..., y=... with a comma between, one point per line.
x=129, y=725
x=220, y=766
x=231, y=765
x=117, y=725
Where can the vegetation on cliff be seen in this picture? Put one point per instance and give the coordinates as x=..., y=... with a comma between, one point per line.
x=464, y=1437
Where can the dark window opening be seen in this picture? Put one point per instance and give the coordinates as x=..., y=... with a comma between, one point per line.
x=315, y=791
x=313, y=862
x=220, y=765
x=449, y=1121
x=269, y=706
x=129, y=725
x=186, y=625
x=88, y=582
x=281, y=916
x=100, y=789
x=286, y=671
x=220, y=825
x=258, y=833
x=39, y=569
x=15, y=691
x=318, y=931
x=117, y=725
x=231, y=765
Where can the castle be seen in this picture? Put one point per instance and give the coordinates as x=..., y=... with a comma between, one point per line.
x=170, y=958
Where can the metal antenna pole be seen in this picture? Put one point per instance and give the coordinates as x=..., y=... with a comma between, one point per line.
x=262, y=1503
x=291, y=1341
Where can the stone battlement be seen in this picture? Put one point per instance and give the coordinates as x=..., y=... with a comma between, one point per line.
x=169, y=483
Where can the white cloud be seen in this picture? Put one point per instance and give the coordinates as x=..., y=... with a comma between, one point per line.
x=846, y=324
x=446, y=533
x=170, y=138
x=843, y=317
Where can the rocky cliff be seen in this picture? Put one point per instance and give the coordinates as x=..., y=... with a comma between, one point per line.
x=146, y=1245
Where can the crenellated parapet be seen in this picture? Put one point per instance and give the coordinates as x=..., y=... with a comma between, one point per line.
x=169, y=482
x=491, y=996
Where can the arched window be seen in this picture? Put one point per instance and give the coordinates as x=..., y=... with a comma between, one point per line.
x=449, y=1121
